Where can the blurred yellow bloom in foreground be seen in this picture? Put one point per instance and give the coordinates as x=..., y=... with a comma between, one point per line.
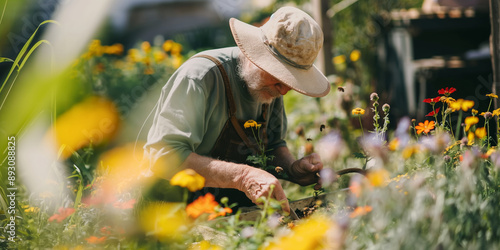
x=204, y=245
x=480, y=132
x=189, y=179
x=95, y=120
x=378, y=177
x=409, y=151
x=165, y=221
x=123, y=166
x=310, y=234
x=339, y=59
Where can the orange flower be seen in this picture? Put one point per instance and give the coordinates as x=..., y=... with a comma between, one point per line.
x=222, y=212
x=95, y=239
x=425, y=127
x=360, y=211
x=204, y=204
x=64, y=212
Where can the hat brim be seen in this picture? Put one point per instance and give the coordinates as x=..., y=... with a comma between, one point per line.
x=310, y=82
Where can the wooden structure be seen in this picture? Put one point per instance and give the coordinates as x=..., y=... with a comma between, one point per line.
x=420, y=53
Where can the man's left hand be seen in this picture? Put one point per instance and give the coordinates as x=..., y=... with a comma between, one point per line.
x=304, y=171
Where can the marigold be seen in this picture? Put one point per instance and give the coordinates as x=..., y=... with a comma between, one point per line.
x=496, y=112
x=360, y=211
x=358, y=111
x=446, y=91
x=339, y=59
x=189, y=179
x=469, y=121
x=355, y=55
x=204, y=204
x=425, y=127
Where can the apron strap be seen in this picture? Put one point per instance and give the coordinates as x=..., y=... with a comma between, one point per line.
x=230, y=100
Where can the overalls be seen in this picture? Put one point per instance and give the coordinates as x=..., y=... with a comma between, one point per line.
x=234, y=144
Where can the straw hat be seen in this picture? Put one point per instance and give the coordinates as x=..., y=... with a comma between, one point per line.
x=285, y=47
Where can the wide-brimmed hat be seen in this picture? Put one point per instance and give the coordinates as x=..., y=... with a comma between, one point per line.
x=285, y=47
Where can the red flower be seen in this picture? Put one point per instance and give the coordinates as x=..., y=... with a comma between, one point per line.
x=432, y=101
x=64, y=212
x=446, y=91
x=433, y=113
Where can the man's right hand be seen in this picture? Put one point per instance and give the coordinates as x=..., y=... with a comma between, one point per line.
x=256, y=183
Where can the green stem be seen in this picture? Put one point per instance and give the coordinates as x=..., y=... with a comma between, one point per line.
x=459, y=123
x=361, y=124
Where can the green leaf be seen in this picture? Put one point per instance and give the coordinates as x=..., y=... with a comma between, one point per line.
x=5, y=59
x=359, y=155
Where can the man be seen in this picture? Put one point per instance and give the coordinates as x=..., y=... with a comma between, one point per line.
x=202, y=108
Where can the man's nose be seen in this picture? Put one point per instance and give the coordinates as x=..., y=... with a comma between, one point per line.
x=282, y=88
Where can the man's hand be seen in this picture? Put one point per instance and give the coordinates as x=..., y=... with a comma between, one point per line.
x=257, y=183
x=304, y=171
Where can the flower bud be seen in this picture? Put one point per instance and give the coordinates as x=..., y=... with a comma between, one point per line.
x=374, y=97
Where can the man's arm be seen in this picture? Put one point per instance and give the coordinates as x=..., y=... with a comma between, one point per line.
x=254, y=182
x=302, y=171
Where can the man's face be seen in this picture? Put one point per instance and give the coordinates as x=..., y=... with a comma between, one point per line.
x=261, y=85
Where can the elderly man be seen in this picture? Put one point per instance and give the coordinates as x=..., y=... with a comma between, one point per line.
x=199, y=119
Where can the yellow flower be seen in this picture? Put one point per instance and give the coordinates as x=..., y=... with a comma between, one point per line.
x=378, y=177
x=394, y=144
x=159, y=56
x=480, y=132
x=358, y=111
x=250, y=124
x=461, y=104
x=95, y=120
x=309, y=234
x=176, y=49
x=134, y=55
x=490, y=151
x=146, y=46
x=474, y=112
x=496, y=112
x=189, y=179
x=167, y=45
x=470, y=138
x=492, y=96
x=204, y=245
x=355, y=55
x=339, y=59
x=469, y=121
x=30, y=209
x=177, y=61
x=409, y=151
x=115, y=49
x=164, y=220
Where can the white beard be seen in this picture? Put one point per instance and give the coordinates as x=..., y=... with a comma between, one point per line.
x=252, y=75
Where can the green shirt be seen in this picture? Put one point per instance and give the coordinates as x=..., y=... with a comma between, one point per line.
x=193, y=109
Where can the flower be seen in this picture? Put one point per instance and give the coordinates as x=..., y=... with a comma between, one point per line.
x=433, y=113
x=339, y=59
x=223, y=211
x=386, y=107
x=204, y=245
x=425, y=127
x=95, y=239
x=204, y=204
x=374, y=97
x=360, y=211
x=164, y=220
x=146, y=46
x=355, y=55
x=64, y=212
x=492, y=96
x=310, y=234
x=378, y=177
x=358, y=111
x=251, y=124
x=461, y=104
x=167, y=45
x=30, y=209
x=189, y=179
x=393, y=144
x=496, y=112
x=480, y=132
x=432, y=101
x=95, y=120
x=446, y=91
x=469, y=121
